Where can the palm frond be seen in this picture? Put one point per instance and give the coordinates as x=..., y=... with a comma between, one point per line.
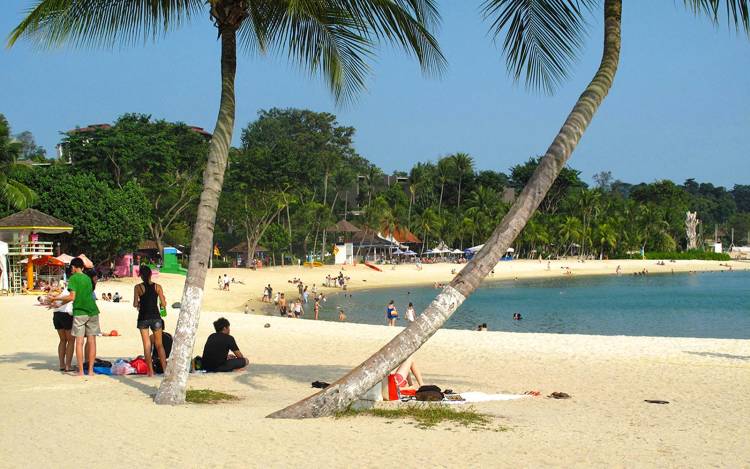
x=737, y=11
x=101, y=23
x=337, y=38
x=542, y=37
x=15, y=193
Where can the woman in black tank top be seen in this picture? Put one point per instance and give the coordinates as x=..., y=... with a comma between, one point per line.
x=146, y=297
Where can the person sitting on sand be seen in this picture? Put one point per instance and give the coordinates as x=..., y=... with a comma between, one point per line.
x=145, y=298
x=216, y=355
x=166, y=340
x=104, y=297
x=402, y=375
x=116, y=298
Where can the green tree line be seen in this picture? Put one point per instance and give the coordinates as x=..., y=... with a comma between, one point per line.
x=297, y=172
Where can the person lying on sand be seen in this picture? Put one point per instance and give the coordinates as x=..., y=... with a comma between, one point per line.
x=402, y=377
x=216, y=356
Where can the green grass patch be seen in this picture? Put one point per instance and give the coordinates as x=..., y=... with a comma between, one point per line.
x=207, y=396
x=427, y=416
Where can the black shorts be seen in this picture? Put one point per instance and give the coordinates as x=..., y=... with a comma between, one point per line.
x=154, y=324
x=62, y=320
x=230, y=365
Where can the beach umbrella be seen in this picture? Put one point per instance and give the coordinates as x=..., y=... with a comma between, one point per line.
x=457, y=251
x=409, y=252
x=510, y=250
x=47, y=260
x=398, y=251
x=65, y=258
x=86, y=261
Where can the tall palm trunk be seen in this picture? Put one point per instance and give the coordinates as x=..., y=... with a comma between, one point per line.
x=173, y=387
x=325, y=203
x=343, y=392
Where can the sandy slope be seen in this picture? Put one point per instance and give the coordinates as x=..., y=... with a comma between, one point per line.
x=111, y=422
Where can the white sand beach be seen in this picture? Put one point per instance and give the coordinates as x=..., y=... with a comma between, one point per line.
x=56, y=420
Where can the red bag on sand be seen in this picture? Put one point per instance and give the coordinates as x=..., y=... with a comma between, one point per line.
x=140, y=365
x=393, y=394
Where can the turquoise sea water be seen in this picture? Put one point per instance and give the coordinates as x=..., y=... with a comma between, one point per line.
x=711, y=304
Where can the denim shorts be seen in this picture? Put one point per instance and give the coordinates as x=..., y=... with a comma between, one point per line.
x=153, y=324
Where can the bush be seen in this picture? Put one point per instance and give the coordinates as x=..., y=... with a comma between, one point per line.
x=685, y=255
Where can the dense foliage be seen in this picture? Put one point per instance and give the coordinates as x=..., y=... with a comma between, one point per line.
x=298, y=172
x=107, y=220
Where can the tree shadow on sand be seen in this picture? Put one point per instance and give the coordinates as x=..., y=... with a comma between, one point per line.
x=39, y=361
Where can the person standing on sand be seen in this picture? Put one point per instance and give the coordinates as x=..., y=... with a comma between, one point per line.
x=391, y=314
x=282, y=305
x=85, y=314
x=410, y=314
x=63, y=322
x=145, y=296
x=317, y=308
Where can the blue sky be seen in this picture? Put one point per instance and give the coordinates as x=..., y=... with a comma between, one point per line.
x=680, y=106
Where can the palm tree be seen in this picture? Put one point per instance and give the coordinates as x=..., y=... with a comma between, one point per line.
x=588, y=204
x=569, y=230
x=332, y=37
x=542, y=39
x=12, y=192
x=444, y=169
x=606, y=237
x=463, y=164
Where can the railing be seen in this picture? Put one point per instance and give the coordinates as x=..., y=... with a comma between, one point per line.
x=38, y=248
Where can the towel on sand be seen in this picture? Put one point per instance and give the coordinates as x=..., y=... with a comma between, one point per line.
x=473, y=396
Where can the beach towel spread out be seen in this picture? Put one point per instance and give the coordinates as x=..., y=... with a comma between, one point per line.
x=484, y=397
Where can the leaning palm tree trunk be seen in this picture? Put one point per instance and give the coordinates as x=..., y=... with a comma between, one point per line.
x=343, y=392
x=174, y=385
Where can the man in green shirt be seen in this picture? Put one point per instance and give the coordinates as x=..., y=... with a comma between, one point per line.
x=85, y=314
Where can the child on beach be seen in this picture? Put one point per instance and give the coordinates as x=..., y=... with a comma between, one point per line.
x=410, y=314
x=391, y=314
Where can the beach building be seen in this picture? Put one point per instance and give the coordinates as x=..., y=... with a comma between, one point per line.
x=240, y=254
x=25, y=247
